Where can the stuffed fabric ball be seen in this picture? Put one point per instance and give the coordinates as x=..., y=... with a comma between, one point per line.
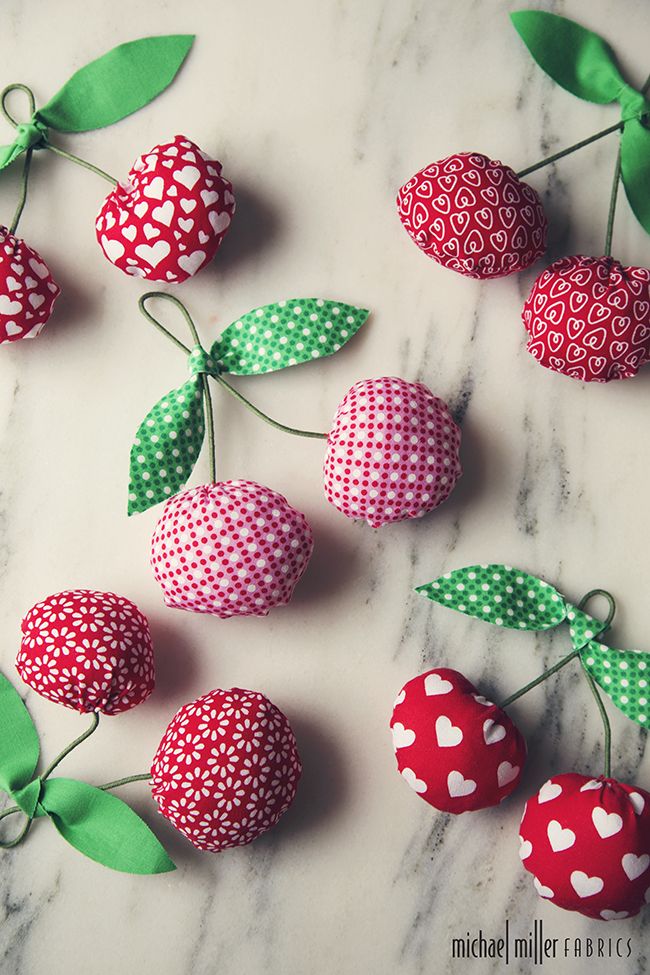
x=233, y=548
x=392, y=452
x=457, y=750
x=87, y=650
x=226, y=769
x=587, y=844
x=589, y=318
x=168, y=219
x=27, y=290
x=474, y=215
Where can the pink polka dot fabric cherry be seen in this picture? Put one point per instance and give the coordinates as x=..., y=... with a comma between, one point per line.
x=226, y=769
x=234, y=548
x=87, y=650
x=392, y=452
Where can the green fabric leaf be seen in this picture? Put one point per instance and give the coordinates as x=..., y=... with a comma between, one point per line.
x=10, y=153
x=635, y=170
x=19, y=745
x=499, y=594
x=166, y=446
x=286, y=333
x=125, y=79
x=623, y=675
x=576, y=58
x=582, y=627
x=103, y=827
x=27, y=797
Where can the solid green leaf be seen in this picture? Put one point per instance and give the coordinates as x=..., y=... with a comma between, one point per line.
x=499, y=594
x=635, y=170
x=103, y=827
x=623, y=675
x=286, y=333
x=19, y=745
x=582, y=626
x=117, y=84
x=574, y=57
x=166, y=446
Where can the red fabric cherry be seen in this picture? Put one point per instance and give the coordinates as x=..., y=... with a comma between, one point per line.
x=168, y=219
x=87, y=650
x=27, y=290
x=392, y=452
x=474, y=215
x=226, y=769
x=587, y=844
x=457, y=750
x=233, y=548
x=589, y=318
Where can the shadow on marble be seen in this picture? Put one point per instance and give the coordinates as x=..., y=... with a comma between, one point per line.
x=333, y=566
x=256, y=226
x=176, y=661
x=75, y=304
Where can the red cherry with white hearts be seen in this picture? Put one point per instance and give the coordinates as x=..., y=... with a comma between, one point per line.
x=474, y=215
x=587, y=844
x=457, y=750
x=589, y=318
x=168, y=219
x=27, y=290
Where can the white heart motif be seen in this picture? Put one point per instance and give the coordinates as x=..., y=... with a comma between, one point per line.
x=493, y=732
x=209, y=197
x=525, y=848
x=592, y=784
x=150, y=231
x=163, y=213
x=417, y=784
x=541, y=889
x=188, y=176
x=191, y=262
x=153, y=254
x=140, y=209
x=560, y=838
x=9, y=307
x=36, y=301
x=638, y=802
x=434, y=685
x=584, y=885
x=11, y=328
x=112, y=248
x=130, y=232
x=12, y=284
x=482, y=700
x=448, y=734
x=402, y=737
x=607, y=824
x=613, y=915
x=155, y=189
x=634, y=865
x=506, y=773
x=458, y=785
x=219, y=221
x=550, y=790
x=400, y=698
x=39, y=268
x=188, y=205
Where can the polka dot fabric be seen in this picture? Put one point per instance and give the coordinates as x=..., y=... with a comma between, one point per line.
x=87, y=650
x=624, y=675
x=233, y=548
x=168, y=219
x=226, y=769
x=589, y=318
x=587, y=844
x=474, y=215
x=27, y=290
x=392, y=452
x=454, y=748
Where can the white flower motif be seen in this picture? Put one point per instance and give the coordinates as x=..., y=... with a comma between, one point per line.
x=223, y=759
x=197, y=784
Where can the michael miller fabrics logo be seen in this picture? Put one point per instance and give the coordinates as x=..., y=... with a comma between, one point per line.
x=536, y=947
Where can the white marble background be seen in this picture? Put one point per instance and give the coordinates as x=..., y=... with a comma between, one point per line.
x=318, y=112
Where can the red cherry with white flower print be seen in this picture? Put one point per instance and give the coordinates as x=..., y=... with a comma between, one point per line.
x=589, y=318
x=226, y=769
x=392, y=452
x=234, y=548
x=587, y=844
x=168, y=219
x=27, y=290
x=456, y=749
x=87, y=650
x=474, y=215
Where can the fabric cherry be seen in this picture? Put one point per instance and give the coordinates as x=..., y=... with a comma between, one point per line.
x=87, y=650
x=168, y=219
x=27, y=290
x=587, y=844
x=589, y=318
x=234, y=548
x=474, y=215
x=392, y=452
x=453, y=747
x=226, y=769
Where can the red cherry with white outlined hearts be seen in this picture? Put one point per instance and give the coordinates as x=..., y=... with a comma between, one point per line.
x=456, y=749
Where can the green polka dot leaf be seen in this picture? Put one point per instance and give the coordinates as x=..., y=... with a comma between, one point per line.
x=286, y=333
x=582, y=627
x=499, y=594
x=623, y=675
x=168, y=443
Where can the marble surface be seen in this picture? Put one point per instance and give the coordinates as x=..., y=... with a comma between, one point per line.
x=318, y=113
